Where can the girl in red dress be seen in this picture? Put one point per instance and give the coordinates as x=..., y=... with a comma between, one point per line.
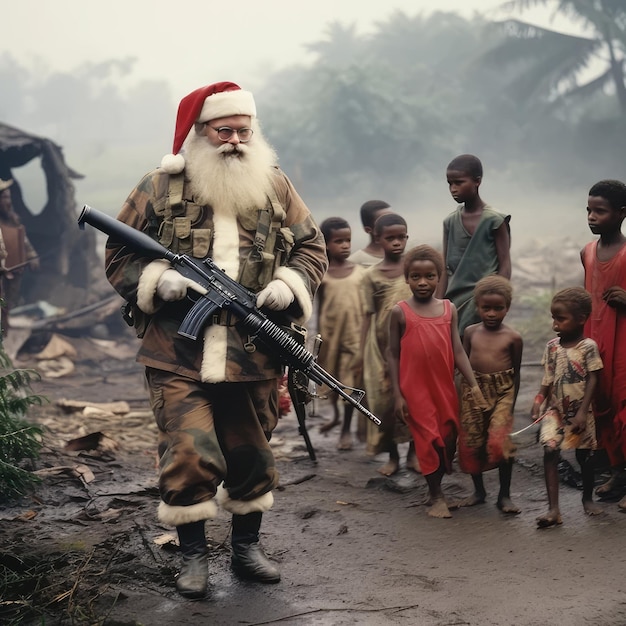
x=424, y=349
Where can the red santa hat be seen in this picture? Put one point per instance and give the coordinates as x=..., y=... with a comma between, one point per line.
x=202, y=105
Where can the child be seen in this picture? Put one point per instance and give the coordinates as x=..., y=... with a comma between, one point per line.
x=476, y=239
x=424, y=348
x=383, y=285
x=495, y=354
x=340, y=318
x=604, y=261
x=571, y=363
x=373, y=252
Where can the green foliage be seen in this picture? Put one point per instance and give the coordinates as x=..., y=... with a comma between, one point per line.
x=19, y=440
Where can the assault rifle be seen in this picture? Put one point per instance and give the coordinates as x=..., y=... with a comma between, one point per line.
x=219, y=291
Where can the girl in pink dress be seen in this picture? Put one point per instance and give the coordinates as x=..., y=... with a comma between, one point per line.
x=424, y=349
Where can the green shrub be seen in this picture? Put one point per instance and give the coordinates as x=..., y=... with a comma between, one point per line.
x=19, y=440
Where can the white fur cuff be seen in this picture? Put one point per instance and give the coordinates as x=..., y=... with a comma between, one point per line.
x=243, y=507
x=177, y=515
x=147, y=286
x=300, y=291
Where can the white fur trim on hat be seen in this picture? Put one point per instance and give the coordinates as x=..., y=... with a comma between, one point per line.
x=177, y=515
x=227, y=103
x=243, y=507
x=295, y=282
x=173, y=163
x=147, y=286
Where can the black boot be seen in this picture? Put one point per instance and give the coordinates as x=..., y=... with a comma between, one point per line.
x=194, y=574
x=249, y=561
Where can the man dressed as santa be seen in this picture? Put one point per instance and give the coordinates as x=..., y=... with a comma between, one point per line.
x=215, y=399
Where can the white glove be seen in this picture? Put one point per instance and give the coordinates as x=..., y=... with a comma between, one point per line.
x=276, y=296
x=172, y=286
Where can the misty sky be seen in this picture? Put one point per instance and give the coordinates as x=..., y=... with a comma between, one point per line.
x=190, y=43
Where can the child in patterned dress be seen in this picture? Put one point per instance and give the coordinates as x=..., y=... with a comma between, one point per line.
x=572, y=362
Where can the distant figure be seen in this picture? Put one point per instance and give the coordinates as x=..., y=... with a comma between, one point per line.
x=19, y=253
x=571, y=364
x=340, y=318
x=495, y=354
x=476, y=239
x=373, y=252
x=384, y=285
x=604, y=261
x=424, y=349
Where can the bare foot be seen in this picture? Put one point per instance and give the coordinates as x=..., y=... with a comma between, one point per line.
x=390, y=468
x=591, y=508
x=507, y=507
x=550, y=519
x=439, y=509
x=345, y=442
x=617, y=479
x=622, y=504
x=473, y=500
x=413, y=464
x=324, y=428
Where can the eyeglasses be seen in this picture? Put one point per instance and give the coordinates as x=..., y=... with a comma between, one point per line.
x=224, y=133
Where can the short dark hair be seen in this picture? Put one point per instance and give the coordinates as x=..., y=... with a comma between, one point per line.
x=369, y=210
x=576, y=299
x=332, y=223
x=423, y=253
x=388, y=219
x=494, y=284
x=613, y=191
x=468, y=164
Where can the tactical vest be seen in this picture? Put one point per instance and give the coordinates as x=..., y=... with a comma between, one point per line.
x=273, y=241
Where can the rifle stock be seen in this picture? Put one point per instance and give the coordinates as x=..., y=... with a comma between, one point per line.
x=222, y=292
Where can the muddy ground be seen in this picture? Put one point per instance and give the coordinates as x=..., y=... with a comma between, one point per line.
x=353, y=546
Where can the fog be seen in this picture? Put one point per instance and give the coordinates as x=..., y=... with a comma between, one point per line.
x=103, y=80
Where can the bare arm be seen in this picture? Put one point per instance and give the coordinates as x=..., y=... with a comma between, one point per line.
x=440, y=292
x=461, y=360
x=503, y=249
x=579, y=423
x=396, y=330
x=517, y=346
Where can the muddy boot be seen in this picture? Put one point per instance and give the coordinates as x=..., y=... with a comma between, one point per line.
x=194, y=573
x=249, y=561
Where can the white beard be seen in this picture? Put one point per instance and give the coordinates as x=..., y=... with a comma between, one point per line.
x=231, y=179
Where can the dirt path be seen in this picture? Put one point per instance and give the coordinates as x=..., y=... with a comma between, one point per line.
x=354, y=547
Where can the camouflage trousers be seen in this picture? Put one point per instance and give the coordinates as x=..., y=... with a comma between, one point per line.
x=484, y=440
x=209, y=433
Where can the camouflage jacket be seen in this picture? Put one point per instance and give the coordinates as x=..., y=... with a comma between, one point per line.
x=221, y=355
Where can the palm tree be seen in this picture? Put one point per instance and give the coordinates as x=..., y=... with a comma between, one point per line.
x=553, y=66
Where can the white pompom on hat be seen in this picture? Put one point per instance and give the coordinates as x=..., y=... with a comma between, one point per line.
x=202, y=105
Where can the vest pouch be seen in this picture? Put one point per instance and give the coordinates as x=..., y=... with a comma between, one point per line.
x=166, y=234
x=182, y=233
x=200, y=242
x=256, y=273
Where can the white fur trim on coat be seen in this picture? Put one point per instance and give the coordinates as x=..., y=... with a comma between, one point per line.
x=227, y=103
x=301, y=293
x=243, y=507
x=177, y=515
x=214, y=353
x=147, y=286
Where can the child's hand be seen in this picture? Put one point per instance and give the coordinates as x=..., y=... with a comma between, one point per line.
x=615, y=297
x=579, y=423
x=478, y=399
x=537, y=404
x=401, y=410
